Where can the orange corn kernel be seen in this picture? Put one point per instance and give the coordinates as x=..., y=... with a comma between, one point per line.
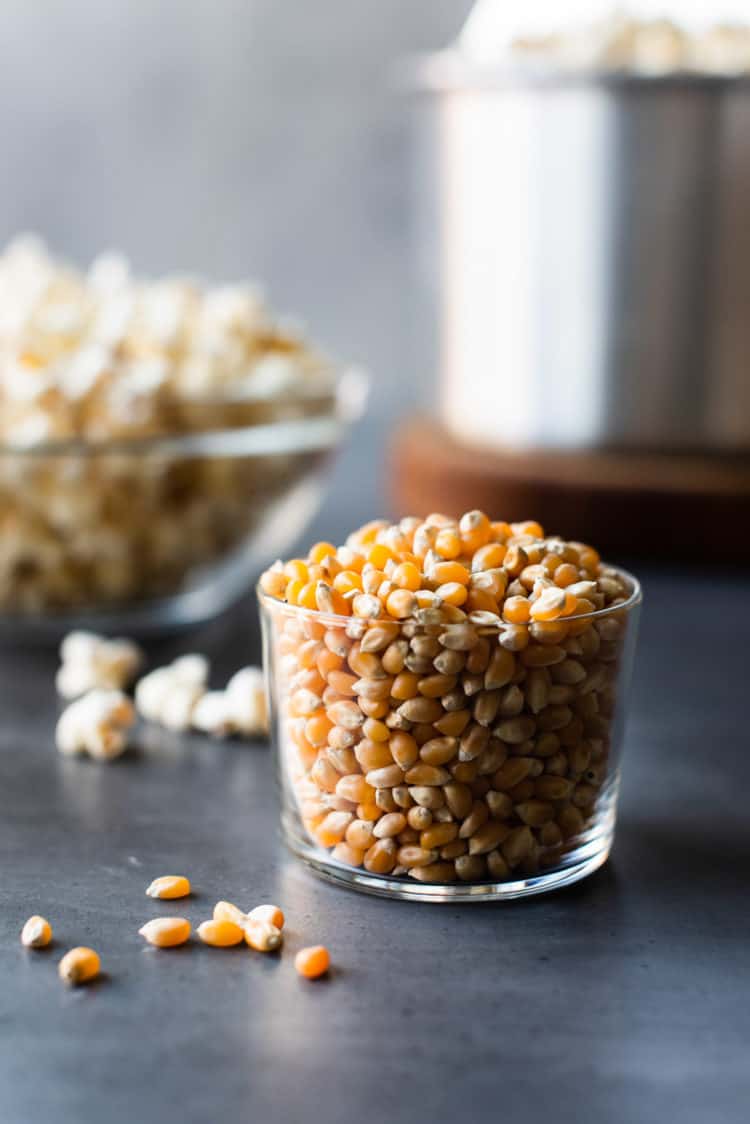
x=356, y=789
x=406, y=575
x=270, y=913
x=368, y=533
x=221, y=934
x=79, y=966
x=320, y=551
x=293, y=591
x=317, y=728
x=328, y=600
x=448, y=543
x=306, y=596
x=405, y=685
x=274, y=583
x=346, y=581
x=296, y=569
x=479, y=601
x=571, y=604
x=500, y=530
x=549, y=605
x=401, y=603
x=488, y=557
x=443, y=572
x=589, y=558
x=369, y=812
x=312, y=962
x=452, y=593
x=529, y=527
x=517, y=610
x=565, y=574
x=475, y=529
x=327, y=661
x=378, y=554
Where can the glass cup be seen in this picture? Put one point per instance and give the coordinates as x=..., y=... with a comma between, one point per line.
x=480, y=763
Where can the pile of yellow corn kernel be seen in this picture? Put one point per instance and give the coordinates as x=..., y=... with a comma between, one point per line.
x=457, y=725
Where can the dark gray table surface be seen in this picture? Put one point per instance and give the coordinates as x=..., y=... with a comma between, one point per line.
x=625, y=998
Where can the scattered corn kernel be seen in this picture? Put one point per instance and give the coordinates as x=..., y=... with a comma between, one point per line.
x=221, y=934
x=36, y=933
x=312, y=962
x=225, y=911
x=270, y=913
x=166, y=932
x=78, y=966
x=262, y=935
x=169, y=886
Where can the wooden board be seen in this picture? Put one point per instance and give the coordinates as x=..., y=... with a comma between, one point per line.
x=692, y=507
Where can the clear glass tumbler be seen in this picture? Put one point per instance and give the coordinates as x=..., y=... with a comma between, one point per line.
x=487, y=768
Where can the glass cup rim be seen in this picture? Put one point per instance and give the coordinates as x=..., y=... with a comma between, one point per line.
x=336, y=620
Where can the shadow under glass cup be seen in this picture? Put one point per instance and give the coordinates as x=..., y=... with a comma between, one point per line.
x=487, y=770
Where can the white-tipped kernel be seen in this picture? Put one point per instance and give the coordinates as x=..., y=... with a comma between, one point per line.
x=169, y=886
x=166, y=932
x=36, y=933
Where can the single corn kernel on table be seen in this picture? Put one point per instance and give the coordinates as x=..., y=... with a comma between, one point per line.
x=623, y=999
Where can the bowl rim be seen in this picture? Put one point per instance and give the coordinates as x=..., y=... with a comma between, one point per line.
x=274, y=604
x=348, y=397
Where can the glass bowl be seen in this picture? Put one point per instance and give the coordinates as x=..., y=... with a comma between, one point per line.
x=162, y=532
x=496, y=778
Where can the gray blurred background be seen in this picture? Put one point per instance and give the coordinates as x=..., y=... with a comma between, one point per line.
x=232, y=138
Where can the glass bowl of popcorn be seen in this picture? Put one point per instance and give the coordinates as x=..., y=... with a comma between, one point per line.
x=159, y=442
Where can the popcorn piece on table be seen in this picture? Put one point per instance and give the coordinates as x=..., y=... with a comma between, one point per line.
x=98, y=724
x=246, y=696
x=169, y=695
x=239, y=709
x=211, y=715
x=90, y=661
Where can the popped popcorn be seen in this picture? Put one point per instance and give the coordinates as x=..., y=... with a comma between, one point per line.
x=239, y=709
x=169, y=695
x=97, y=724
x=101, y=358
x=90, y=661
x=104, y=355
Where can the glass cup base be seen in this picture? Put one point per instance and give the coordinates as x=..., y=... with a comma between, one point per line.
x=577, y=863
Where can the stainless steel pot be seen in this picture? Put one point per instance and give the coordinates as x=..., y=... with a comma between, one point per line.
x=593, y=257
